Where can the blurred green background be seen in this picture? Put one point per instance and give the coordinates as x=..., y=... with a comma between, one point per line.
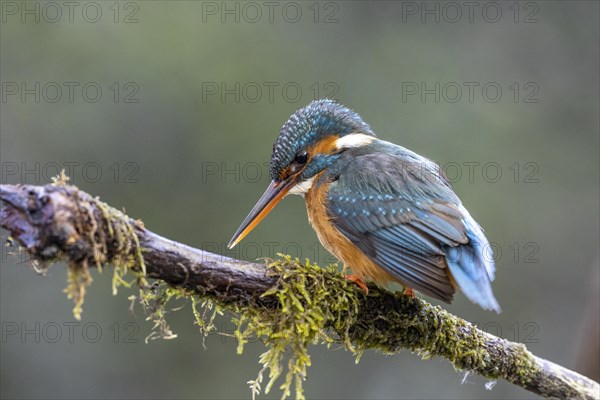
x=192, y=95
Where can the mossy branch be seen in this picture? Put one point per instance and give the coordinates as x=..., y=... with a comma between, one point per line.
x=288, y=304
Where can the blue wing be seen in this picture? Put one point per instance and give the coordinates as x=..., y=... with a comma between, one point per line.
x=399, y=209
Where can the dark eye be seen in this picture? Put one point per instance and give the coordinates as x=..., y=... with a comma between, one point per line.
x=301, y=157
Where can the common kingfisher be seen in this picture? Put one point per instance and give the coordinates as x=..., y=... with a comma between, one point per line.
x=386, y=212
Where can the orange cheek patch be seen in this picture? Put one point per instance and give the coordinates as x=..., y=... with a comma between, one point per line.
x=325, y=146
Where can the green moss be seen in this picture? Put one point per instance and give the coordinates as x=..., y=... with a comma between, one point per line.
x=526, y=367
x=154, y=300
x=430, y=331
x=312, y=303
x=205, y=311
x=309, y=305
x=105, y=236
x=126, y=254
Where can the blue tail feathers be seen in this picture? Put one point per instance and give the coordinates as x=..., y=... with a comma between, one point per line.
x=472, y=266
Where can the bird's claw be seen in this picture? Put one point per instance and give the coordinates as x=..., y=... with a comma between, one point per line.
x=358, y=281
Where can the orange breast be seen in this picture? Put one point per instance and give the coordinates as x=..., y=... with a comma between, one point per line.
x=336, y=243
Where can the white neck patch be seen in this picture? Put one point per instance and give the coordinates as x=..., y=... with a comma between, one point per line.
x=302, y=187
x=353, y=140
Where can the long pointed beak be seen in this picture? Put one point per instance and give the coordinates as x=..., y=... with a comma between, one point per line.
x=273, y=195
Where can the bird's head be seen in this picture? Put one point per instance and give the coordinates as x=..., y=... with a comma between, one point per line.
x=312, y=139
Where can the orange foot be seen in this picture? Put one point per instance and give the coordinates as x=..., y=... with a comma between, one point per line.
x=408, y=292
x=359, y=282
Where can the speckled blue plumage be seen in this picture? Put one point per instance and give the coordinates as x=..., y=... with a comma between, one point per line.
x=310, y=124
